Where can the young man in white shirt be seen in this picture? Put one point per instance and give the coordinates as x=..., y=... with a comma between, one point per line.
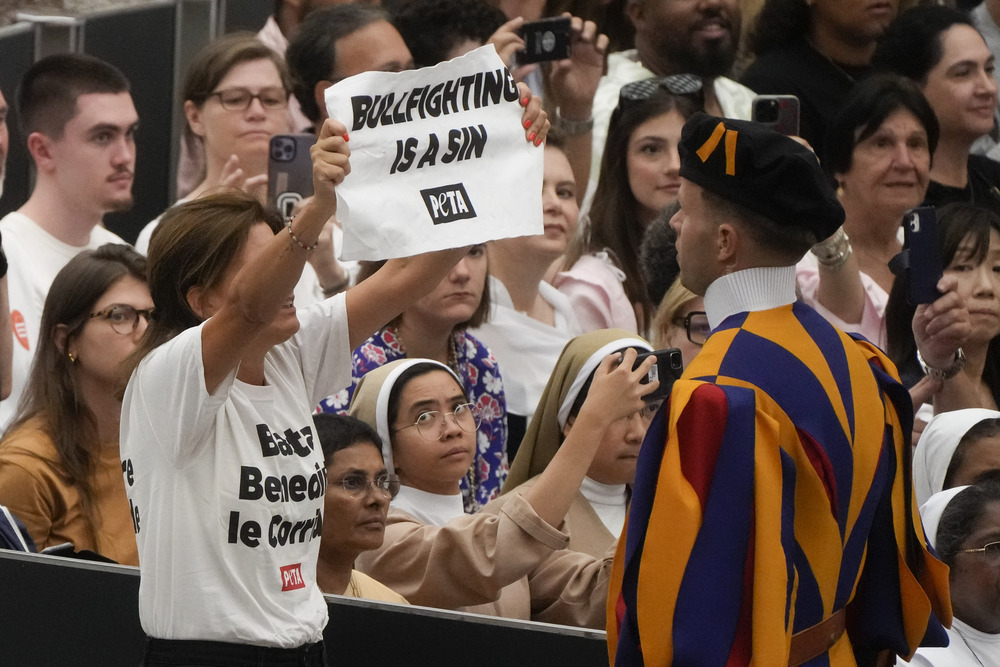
x=80, y=123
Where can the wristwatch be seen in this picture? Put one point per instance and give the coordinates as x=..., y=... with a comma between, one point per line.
x=943, y=373
x=573, y=127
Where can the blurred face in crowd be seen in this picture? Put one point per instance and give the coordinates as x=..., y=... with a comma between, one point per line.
x=617, y=455
x=422, y=462
x=110, y=335
x=377, y=47
x=93, y=162
x=456, y=298
x=677, y=333
x=975, y=577
x=688, y=36
x=858, y=22
x=245, y=132
x=981, y=456
x=354, y=522
x=560, y=214
x=960, y=87
x=891, y=168
x=4, y=140
x=979, y=287
x=285, y=323
x=653, y=163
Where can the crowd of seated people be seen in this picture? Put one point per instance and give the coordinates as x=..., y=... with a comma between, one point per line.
x=486, y=438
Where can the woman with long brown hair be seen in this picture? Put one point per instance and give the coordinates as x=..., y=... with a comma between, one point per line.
x=59, y=461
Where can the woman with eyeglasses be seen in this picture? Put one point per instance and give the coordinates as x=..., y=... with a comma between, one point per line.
x=235, y=95
x=60, y=471
x=597, y=515
x=639, y=176
x=504, y=561
x=359, y=488
x=963, y=525
x=681, y=322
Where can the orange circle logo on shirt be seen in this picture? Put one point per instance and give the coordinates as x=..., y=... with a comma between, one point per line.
x=20, y=328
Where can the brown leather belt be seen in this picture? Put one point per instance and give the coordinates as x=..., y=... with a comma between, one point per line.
x=817, y=640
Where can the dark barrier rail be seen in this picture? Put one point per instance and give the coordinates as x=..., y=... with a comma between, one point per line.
x=55, y=611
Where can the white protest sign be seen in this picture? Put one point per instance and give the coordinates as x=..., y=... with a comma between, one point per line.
x=439, y=159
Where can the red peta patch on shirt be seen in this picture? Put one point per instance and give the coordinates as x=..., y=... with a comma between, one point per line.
x=291, y=577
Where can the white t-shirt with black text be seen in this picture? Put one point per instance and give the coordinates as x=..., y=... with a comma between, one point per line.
x=227, y=489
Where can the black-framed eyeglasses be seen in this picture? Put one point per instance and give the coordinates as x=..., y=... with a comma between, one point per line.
x=239, y=99
x=358, y=485
x=696, y=325
x=431, y=424
x=991, y=550
x=123, y=317
x=675, y=84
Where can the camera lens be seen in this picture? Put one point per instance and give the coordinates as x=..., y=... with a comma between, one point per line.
x=767, y=111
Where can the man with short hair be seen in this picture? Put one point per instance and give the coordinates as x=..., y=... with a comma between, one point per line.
x=675, y=37
x=337, y=42
x=80, y=123
x=772, y=505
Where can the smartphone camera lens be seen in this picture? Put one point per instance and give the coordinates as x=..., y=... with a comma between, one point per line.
x=767, y=111
x=283, y=149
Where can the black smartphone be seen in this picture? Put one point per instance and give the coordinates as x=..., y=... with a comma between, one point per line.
x=289, y=171
x=668, y=367
x=778, y=112
x=545, y=40
x=923, y=267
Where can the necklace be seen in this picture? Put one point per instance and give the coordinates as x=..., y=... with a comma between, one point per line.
x=968, y=646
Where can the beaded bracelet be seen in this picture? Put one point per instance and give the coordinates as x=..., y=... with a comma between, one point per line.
x=307, y=248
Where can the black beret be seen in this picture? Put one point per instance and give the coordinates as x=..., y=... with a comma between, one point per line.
x=760, y=169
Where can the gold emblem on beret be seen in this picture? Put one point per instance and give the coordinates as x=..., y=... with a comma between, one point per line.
x=710, y=145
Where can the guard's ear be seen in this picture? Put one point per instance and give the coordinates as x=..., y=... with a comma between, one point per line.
x=727, y=243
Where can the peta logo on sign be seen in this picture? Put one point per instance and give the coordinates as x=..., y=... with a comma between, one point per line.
x=448, y=203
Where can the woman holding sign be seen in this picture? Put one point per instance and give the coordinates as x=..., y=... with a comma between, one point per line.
x=223, y=473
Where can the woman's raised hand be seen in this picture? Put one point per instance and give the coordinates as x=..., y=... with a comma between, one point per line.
x=331, y=161
x=617, y=390
x=941, y=327
x=534, y=119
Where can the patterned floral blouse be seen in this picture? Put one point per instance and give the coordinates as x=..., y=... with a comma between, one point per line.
x=476, y=366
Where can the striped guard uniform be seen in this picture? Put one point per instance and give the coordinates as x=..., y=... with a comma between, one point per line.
x=771, y=491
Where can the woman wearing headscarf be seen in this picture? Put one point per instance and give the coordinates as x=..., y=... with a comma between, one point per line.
x=935, y=454
x=508, y=563
x=597, y=515
x=963, y=525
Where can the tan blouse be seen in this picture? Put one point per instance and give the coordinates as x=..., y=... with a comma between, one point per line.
x=34, y=486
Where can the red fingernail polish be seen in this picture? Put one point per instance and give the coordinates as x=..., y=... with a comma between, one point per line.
x=525, y=101
x=538, y=141
x=527, y=124
x=346, y=138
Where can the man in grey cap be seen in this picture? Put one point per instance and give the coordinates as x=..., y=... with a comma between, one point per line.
x=772, y=514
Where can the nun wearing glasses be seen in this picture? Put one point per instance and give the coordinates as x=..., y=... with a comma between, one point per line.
x=511, y=562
